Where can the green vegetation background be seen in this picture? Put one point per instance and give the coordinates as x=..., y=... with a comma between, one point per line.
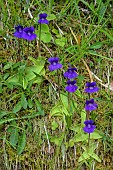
x=33, y=120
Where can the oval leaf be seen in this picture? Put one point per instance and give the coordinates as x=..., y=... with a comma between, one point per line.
x=14, y=137
x=21, y=143
x=23, y=101
x=17, y=107
x=96, y=45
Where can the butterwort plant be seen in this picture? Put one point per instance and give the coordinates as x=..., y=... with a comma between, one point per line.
x=91, y=87
x=89, y=128
x=18, y=31
x=42, y=20
x=71, y=73
x=19, y=35
x=55, y=65
x=71, y=87
x=26, y=33
x=90, y=105
x=29, y=35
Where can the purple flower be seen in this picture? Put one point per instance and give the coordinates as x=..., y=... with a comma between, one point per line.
x=91, y=87
x=90, y=105
x=28, y=33
x=42, y=19
x=71, y=87
x=19, y=31
x=71, y=73
x=54, y=64
x=89, y=126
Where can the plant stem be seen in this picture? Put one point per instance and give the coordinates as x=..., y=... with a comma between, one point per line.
x=19, y=49
x=87, y=115
x=69, y=101
x=88, y=112
x=22, y=49
x=89, y=95
x=28, y=49
x=39, y=40
x=89, y=140
x=58, y=83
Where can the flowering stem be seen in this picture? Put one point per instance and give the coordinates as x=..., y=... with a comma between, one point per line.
x=39, y=39
x=58, y=83
x=28, y=49
x=87, y=115
x=22, y=49
x=19, y=49
x=89, y=95
x=88, y=112
x=89, y=140
x=69, y=101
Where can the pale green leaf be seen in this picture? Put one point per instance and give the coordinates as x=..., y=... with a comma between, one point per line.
x=3, y=113
x=65, y=111
x=14, y=78
x=17, y=107
x=21, y=143
x=84, y=156
x=71, y=142
x=23, y=101
x=44, y=28
x=46, y=37
x=30, y=103
x=79, y=94
x=96, y=45
x=14, y=137
x=30, y=71
x=61, y=41
x=64, y=100
x=83, y=117
x=93, y=155
x=56, y=110
x=54, y=125
x=56, y=140
x=51, y=17
x=8, y=65
x=95, y=135
x=25, y=83
x=81, y=137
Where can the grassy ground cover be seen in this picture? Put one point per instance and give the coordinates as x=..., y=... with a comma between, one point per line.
x=41, y=123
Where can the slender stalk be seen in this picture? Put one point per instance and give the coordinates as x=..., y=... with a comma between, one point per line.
x=88, y=112
x=87, y=115
x=22, y=49
x=89, y=140
x=28, y=49
x=58, y=82
x=69, y=101
x=39, y=39
x=19, y=50
x=89, y=95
